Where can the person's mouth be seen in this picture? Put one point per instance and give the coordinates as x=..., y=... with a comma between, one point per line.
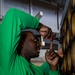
x=38, y=49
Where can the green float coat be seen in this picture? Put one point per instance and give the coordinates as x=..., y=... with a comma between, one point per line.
x=10, y=62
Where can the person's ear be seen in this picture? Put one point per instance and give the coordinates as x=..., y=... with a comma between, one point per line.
x=24, y=44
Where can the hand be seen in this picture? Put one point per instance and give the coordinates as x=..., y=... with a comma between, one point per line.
x=52, y=58
x=46, y=32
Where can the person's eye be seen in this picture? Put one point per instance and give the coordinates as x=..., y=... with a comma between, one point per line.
x=35, y=40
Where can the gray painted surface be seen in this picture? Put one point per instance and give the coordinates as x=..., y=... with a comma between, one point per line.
x=49, y=18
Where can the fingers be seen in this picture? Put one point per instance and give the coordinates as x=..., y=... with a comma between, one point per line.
x=60, y=53
x=51, y=54
x=52, y=58
x=44, y=31
x=51, y=45
x=46, y=54
x=44, y=28
x=48, y=33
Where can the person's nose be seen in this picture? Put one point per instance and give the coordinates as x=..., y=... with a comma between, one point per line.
x=38, y=44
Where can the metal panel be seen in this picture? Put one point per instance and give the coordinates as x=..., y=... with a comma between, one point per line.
x=65, y=11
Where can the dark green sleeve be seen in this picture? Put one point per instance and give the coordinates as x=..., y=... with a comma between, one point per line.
x=47, y=71
x=14, y=21
x=26, y=20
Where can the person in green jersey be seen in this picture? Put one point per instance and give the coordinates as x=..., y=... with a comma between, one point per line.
x=29, y=47
x=12, y=24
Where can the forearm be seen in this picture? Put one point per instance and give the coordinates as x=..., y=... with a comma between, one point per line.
x=39, y=27
x=12, y=24
x=51, y=72
x=46, y=68
x=27, y=21
x=54, y=68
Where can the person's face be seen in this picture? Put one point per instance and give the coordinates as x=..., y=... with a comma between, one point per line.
x=32, y=45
